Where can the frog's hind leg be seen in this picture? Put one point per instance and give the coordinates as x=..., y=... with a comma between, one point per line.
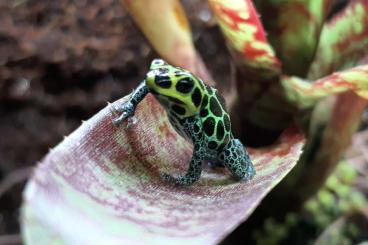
x=192, y=175
x=236, y=159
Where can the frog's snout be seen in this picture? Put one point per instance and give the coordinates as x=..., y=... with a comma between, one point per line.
x=151, y=76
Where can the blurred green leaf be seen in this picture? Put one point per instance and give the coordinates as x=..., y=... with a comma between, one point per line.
x=294, y=28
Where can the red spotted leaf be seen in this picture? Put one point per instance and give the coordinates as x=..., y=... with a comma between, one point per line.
x=245, y=36
x=101, y=185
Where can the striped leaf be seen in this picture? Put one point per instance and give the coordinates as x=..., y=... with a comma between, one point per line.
x=343, y=41
x=101, y=185
x=245, y=36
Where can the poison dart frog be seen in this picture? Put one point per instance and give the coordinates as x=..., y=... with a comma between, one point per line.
x=197, y=112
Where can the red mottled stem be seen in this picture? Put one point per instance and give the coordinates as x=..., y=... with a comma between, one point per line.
x=344, y=40
x=165, y=25
x=257, y=65
x=245, y=36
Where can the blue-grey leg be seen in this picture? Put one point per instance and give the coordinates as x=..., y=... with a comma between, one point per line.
x=237, y=160
x=127, y=109
x=192, y=175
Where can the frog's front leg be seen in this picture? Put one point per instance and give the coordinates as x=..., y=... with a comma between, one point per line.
x=127, y=109
x=237, y=160
x=192, y=175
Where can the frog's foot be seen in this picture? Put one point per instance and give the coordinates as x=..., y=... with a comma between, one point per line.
x=118, y=108
x=192, y=175
x=126, y=111
x=237, y=160
x=120, y=119
x=168, y=178
x=179, y=181
x=132, y=120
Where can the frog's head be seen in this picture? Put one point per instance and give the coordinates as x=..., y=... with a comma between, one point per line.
x=159, y=78
x=166, y=79
x=174, y=87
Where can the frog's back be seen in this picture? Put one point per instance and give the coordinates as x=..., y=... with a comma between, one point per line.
x=198, y=113
x=215, y=119
x=184, y=96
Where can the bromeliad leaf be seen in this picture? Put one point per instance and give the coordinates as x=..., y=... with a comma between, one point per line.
x=166, y=26
x=305, y=94
x=246, y=37
x=343, y=40
x=101, y=185
x=293, y=30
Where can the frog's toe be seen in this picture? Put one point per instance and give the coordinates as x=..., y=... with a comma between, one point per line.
x=120, y=119
x=168, y=178
x=180, y=181
x=125, y=110
x=132, y=120
x=117, y=108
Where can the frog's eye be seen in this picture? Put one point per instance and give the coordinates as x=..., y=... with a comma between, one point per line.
x=185, y=85
x=158, y=62
x=163, y=81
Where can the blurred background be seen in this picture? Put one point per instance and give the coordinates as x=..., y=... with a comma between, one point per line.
x=60, y=63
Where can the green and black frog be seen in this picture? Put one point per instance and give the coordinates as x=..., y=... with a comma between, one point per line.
x=197, y=112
